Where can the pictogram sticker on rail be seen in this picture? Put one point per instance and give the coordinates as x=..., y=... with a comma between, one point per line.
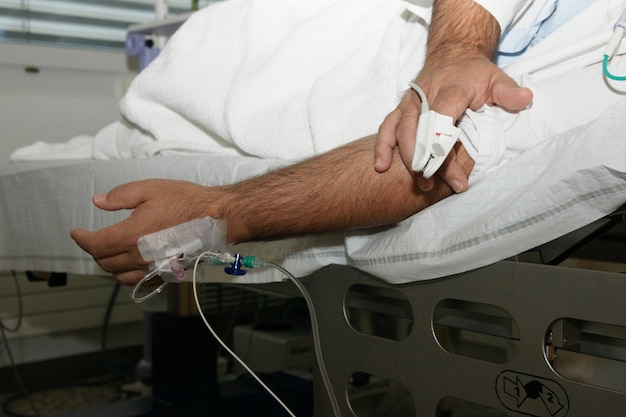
x=531, y=395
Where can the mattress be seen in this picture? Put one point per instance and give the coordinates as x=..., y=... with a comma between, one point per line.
x=554, y=188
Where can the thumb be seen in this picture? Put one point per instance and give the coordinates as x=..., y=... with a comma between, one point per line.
x=510, y=96
x=125, y=196
x=79, y=234
x=83, y=238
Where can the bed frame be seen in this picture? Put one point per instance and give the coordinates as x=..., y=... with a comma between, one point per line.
x=514, y=338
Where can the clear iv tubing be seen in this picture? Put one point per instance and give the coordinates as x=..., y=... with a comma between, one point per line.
x=258, y=263
x=139, y=285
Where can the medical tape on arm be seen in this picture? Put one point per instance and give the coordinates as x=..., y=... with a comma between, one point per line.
x=173, y=249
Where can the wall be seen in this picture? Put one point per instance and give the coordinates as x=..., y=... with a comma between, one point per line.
x=53, y=94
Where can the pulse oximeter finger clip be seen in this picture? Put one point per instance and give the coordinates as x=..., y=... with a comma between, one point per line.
x=436, y=135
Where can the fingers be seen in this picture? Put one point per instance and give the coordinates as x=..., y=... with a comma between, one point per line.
x=457, y=168
x=133, y=277
x=398, y=129
x=125, y=196
x=453, y=174
x=123, y=262
x=512, y=97
x=454, y=171
x=451, y=102
x=424, y=184
x=114, y=248
x=406, y=131
x=505, y=92
x=109, y=246
x=80, y=236
x=118, y=259
x=100, y=245
x=385, y=142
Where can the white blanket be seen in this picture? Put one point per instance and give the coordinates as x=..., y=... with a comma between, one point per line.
x=271, y=78
x=290, y=79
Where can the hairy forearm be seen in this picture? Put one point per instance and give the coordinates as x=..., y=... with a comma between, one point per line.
x=336, y=191
x=459, y=25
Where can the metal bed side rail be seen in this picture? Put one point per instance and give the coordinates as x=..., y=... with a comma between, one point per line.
x=528, y=308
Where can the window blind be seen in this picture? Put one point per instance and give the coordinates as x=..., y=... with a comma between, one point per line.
x=84, y=23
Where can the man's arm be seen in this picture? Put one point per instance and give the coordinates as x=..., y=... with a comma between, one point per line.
x=335, y=191
x=458, y=74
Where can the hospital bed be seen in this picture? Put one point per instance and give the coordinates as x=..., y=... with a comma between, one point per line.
x=481, y=314
x=477, y=306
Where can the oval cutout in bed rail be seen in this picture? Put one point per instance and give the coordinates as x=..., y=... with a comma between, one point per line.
x=371, y=395
x=378, y=311
x=476, y=330
x=588, y=352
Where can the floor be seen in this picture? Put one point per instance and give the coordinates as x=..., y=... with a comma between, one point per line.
x=105, y=395
x=61, y=385
x=63, y=399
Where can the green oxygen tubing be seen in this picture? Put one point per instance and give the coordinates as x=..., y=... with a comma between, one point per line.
x=619, y=30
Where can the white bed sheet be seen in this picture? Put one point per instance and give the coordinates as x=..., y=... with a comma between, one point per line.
x=552, y=189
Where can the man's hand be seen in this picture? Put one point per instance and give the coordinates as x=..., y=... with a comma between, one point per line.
x=452, y=88
x=458, y=74
x=156, y=205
